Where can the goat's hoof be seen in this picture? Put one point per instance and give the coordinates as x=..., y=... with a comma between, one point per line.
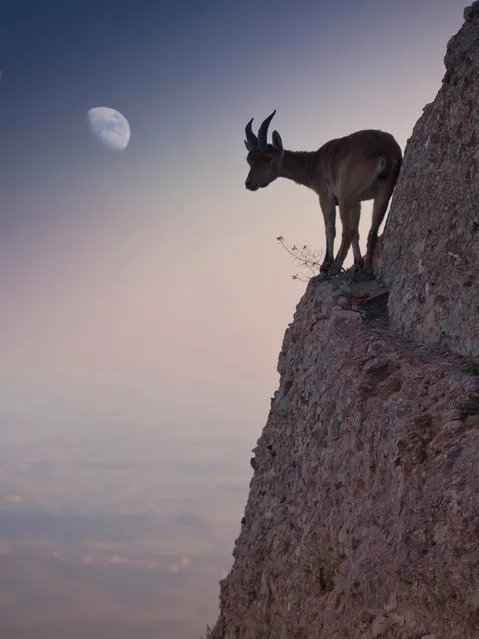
x=334, y=270
x=367, y=274
x=358, y=266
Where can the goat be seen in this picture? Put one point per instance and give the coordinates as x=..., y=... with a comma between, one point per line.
x=345, y=171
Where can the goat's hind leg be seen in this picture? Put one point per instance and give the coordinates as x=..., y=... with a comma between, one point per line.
x=380, y=206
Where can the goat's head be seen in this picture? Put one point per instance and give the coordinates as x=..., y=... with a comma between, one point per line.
x=264, y=159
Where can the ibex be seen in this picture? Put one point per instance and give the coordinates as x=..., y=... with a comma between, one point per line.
x=361, y=166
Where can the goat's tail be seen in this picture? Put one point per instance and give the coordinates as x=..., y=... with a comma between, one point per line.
x=385, y=170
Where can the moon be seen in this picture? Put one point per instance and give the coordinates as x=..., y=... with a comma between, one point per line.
x=110, y=127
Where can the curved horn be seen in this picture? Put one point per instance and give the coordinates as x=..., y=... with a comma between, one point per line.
x=251, y=139
x=263, y=131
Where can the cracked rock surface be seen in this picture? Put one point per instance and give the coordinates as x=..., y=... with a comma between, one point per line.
x=363, y=513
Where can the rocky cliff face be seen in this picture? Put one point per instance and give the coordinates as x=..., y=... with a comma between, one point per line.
x=363, y=514
x=430, y=258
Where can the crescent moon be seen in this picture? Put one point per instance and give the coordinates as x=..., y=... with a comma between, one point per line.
x=110, y=127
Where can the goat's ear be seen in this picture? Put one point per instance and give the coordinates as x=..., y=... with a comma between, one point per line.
x=277, y=141
x=248, y=146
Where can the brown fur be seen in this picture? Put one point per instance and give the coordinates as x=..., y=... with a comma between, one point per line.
x=346, y=171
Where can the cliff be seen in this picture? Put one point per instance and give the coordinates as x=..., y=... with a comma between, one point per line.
x=430, y=258
x=363, y=514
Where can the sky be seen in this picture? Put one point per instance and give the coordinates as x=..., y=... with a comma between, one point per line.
x=144, y=295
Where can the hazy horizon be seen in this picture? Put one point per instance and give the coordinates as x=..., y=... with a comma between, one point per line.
x=144, y=295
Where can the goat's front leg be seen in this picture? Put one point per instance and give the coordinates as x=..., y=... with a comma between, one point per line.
x=328, y=207
x=358, y=258
x=349, y=212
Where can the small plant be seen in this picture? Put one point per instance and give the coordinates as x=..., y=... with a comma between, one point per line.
x=209, y=633
x=306, y=257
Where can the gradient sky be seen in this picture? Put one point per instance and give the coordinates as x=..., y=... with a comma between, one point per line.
x=145, y=288
x=143, y=293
